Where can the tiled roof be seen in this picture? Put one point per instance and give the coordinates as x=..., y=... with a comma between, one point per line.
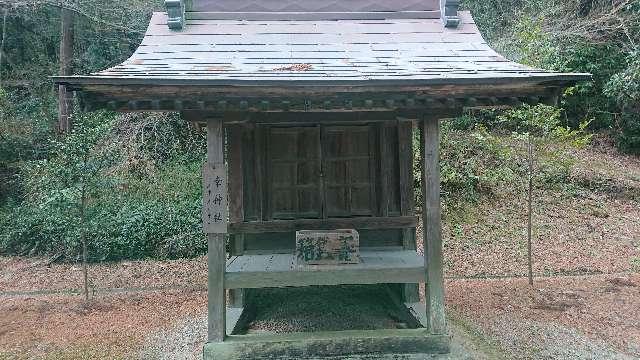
x=223, y=52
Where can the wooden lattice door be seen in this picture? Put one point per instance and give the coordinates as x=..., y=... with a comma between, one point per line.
x=348, y=170
x=317, y=172
x=294, y=172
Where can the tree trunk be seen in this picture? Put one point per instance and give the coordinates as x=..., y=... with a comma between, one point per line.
x=65, y=98
x=83, y=239
x=530, y=210
x=584, y=8
x=4, y=36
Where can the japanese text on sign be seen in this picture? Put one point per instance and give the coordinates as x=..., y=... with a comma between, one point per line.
x=214, y=207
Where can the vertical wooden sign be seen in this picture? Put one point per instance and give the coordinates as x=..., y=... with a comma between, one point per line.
x=214, y=199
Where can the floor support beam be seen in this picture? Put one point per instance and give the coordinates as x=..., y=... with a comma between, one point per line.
x=431, y=216
x=327, y=344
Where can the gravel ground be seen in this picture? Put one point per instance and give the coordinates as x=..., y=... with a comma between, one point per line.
x=550, y=341
x=324, y=308
x=572, y=318
x=309, y=309
x=184, y=342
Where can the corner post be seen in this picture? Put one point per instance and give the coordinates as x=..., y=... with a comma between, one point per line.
x=216, y=259
x=431, y=217
x=410, y=292
x=175, y=14
x=449, y=13
x=235, y=134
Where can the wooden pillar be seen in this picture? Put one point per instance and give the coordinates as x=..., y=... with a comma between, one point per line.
x=431, y=217
x=236, y=200
x=216, y=244
x=410, y=292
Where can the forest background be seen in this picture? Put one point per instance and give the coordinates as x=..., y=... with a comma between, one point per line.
x=130, y=183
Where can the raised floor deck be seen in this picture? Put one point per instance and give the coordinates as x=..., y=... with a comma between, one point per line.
x=281, y=270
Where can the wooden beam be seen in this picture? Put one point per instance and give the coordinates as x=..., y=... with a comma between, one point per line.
x=431, y=216
x=328, y=344
x=385, y=170
x=175, y=14
x=260, y=175
x=236, y=173
x=405, y=313
x=282, y=270
x=410, y=292
x=236, y=199
x=216, y=259
x=256, y=227
x=449, y=13
x=314, y=15
x=190, y=90
x=405, y=163
x=238, y=319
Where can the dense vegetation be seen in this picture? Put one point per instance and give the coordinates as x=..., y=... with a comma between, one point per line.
x=130, y=184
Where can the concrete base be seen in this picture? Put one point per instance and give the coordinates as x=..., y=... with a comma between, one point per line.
x=326, y=344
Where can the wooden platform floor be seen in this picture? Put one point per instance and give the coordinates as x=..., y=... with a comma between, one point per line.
x=281, y=270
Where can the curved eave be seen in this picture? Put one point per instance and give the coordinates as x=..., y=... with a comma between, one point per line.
x=443, y=94
x=80, y=82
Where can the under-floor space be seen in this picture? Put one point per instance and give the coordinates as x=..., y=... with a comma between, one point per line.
x=324, y=308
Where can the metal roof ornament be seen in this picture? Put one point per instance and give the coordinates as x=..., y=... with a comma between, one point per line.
x=449, y=11
x=175, y=13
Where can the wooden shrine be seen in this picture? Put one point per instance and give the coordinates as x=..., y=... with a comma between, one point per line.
x=310, y=109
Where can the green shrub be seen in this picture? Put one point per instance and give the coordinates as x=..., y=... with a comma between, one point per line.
x=628, y=136
x=484, y=154
x=624, y=88
x=557, y=36
x=473, y=161
x=140, y=176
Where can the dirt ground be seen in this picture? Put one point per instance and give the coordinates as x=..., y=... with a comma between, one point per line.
x=110, y=326
x=587, y=317
x=588, y=226
x=29, y=274
x=172, y=325
x=558, y=318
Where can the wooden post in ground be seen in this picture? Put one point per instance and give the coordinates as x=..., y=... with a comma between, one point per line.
x=431, y=217
x=65, y=98
x=216, y=241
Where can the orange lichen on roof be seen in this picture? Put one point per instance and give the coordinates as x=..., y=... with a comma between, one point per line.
x=295, y=67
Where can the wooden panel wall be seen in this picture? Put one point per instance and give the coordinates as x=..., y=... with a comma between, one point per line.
x=367, y=172
x=313, y=5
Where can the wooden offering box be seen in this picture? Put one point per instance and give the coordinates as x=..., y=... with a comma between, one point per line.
x=327, y=247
